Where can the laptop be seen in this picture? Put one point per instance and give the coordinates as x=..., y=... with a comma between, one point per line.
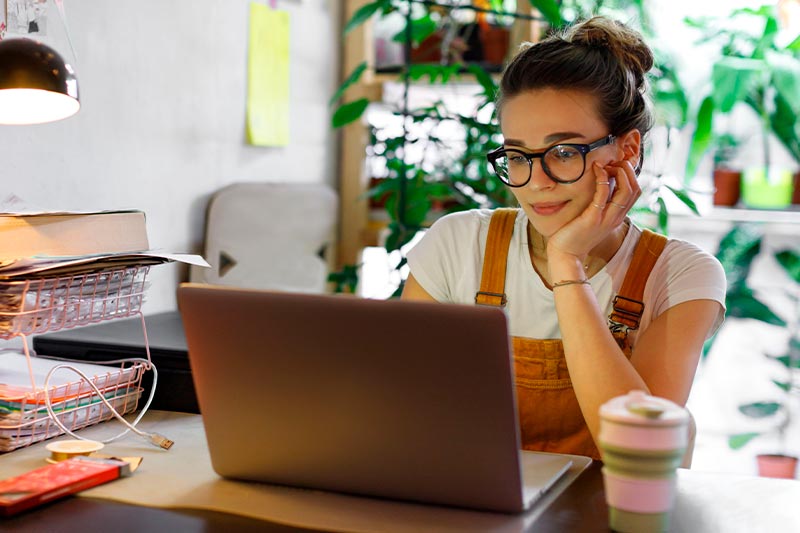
x=394, y=399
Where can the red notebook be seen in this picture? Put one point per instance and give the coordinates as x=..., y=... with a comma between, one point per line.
x=55, y=481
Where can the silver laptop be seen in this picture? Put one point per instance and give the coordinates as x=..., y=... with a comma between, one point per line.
x=393, y=399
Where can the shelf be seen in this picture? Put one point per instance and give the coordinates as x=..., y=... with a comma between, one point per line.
x=739, y=214
x=779, y=223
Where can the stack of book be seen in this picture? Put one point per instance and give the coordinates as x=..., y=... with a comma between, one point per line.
x=60, y=270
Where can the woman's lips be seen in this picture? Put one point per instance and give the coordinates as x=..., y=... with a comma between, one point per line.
x=548, y=208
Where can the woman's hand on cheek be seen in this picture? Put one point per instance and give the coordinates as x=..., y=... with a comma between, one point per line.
x=616, y=191
x=624, y=194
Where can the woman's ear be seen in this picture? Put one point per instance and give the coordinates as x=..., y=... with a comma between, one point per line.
x=630, y=147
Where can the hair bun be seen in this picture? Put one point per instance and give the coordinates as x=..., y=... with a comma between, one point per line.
x=624, y=43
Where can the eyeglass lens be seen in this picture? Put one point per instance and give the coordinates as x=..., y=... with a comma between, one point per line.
x=561, y=163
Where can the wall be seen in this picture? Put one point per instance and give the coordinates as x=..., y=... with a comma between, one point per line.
x=163, y=88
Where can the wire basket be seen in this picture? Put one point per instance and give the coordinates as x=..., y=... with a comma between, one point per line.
x=50, y=304
x=33, y=306
x=27, y=421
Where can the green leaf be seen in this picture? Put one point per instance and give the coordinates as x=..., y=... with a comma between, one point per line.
x=434, y=72
x=742, y=304
x=736, y=252
x=784, y=386
x=350, y=112
x=737, y=442
x=663, y=215
x=550, y=10
x=790, y=261
x=783, y=121
x=786, y=78
x=351, y=79
x=421, y=29
x=398, y=236
x=759, y=409
x=485, y=80
x=794, y=46
x=701, y=138
x=345, y=280
x=363, y=14
x=793, y=355
x=684, y=197
x=669, y=97
x=734, y=79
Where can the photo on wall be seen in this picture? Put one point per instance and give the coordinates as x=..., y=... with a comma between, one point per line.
x=25, y=17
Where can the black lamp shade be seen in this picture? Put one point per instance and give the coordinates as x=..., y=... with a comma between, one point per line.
x=36, y=85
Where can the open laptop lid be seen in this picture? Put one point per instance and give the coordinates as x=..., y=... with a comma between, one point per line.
x=398, y=399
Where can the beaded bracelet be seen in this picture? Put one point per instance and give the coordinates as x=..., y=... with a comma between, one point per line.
x=566, y=282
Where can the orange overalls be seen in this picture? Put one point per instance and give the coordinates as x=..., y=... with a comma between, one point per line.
x=550, y=417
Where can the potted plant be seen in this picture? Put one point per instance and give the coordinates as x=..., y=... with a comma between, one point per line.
x=727, y=179
x=494, y=30
x=437, y=162
x=755, y=70
x=737, y=251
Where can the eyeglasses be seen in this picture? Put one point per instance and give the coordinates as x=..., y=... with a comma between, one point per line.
x=563, y=163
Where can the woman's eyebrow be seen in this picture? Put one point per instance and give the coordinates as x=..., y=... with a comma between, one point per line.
x=560, y=136
x=550, y=139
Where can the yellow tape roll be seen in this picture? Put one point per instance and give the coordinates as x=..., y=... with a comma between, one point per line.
x=64, y=449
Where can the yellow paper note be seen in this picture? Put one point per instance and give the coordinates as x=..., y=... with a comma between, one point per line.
x=268, y=77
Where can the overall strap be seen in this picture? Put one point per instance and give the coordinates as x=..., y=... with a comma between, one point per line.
x=628, y=305
x=495, y=258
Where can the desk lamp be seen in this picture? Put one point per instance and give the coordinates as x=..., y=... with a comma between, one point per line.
x=36, y=84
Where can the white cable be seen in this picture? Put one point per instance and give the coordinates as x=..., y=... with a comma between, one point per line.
x=154, y=438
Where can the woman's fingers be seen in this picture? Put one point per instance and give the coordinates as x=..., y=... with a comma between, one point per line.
x=603, y=191
x=627, y=189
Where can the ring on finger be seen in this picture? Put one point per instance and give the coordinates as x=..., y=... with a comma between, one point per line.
x=598, y=206
x=604, y=183
x=618, y=205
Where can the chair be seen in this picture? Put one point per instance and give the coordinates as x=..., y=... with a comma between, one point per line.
x=274, y=236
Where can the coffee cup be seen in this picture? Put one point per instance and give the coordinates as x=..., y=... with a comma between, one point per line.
x=642, y=440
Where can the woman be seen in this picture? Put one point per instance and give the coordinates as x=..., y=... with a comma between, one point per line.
x=596, y=306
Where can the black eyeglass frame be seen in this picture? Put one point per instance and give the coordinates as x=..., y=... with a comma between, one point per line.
x=584, y=149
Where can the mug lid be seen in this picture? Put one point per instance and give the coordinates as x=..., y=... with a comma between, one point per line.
x=639, y=408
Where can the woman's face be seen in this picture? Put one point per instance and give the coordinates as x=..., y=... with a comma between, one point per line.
x=534, y=121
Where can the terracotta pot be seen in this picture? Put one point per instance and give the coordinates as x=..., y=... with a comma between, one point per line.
x=776, y=465
x=429, y=50
x=377, y=202
x=727, y=186
x=495, y=41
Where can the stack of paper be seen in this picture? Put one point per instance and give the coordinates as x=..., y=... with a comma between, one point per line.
x=59, y=270
x=37, y=243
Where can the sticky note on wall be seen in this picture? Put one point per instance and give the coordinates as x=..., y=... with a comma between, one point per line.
x=268, y=77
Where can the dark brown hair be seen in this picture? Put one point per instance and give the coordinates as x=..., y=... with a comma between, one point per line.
x=600, y=56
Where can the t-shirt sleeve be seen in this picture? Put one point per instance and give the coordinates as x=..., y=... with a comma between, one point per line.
x=445, y=249
x=691, y=274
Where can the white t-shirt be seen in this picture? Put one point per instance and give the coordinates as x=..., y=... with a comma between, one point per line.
x=448, y=261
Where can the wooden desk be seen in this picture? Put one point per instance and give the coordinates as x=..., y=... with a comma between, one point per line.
x=706, y=503
x=183, y=486
x=580, y=508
